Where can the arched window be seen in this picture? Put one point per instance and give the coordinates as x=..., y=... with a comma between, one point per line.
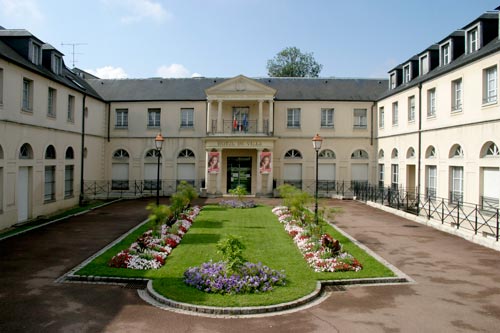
x=186, y=153
x=359, y=154
x=394, y=153
x=25, y=152
x=120, y=154
x=50, y=153
x=430, y=152
x=293, y=153
x=381, y=154
x=70, y=154
x=152, y=153
x=456, y=151
x=490, y=149
x=327, y=154
x=410, y=153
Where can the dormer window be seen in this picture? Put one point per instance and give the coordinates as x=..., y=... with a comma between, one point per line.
x=35, y=53
x=406, y=74
x=445, y=54
x=424, y=64
x=57, y=64
x=392, y=80
x=473, y=41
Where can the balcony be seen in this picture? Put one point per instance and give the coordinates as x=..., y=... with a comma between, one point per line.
x=247, y=128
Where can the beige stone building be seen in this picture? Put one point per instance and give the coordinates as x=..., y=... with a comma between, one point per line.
x=65, y=135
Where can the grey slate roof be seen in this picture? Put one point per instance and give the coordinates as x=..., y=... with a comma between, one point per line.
x=193, y=89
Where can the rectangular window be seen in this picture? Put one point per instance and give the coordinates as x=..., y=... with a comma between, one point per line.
x=71, y=109
x=51, y=103
x=472, y=40
x=457, y=184
x=293, y=118
x=392, y=81
x=153, y=117
x=381, y=117
x=380, y=175
x=49, y=193
x=395, y=114
x=327, y=118
x=1, y=86
x=56, y=64
x=406, y=74
x=121, y=120
x=431, y=186
x=456, y=95
x=360, y=118
x=36, y=53
x=431, y=102
x=490, y=85
x=445, y=54
x=68, y=181
x=411, y=108
x=394, y=176
x=27, y=95
x=424, y=64
x=187, y=118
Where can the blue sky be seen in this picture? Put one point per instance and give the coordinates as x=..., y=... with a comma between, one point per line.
x=224, y=38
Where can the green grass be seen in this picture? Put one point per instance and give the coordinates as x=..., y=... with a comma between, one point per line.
x=265, y=240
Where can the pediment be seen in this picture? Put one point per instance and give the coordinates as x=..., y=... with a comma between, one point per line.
x=240, y=85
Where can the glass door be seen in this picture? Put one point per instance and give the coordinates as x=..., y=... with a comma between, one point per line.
x=239, y=172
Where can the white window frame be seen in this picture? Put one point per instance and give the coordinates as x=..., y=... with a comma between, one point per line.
x=49, y=191
x=431, y=182
x=360, y=118
x=154, y=118
x=490, y=85
x=457, y=184
x=121, y=118
x=71, y=109
x=431, y=103
x=327, y=117
x=381, y=182
x=456, y=95
x=187, y=117
x=392, y=80
x=411, y=108
x=395, y=114
x=51, y=102
x=473, y=39
x=381, y=117
x=423, y=62
x=406, y=73
x=56, y=64
x=445, y=52
x=35, y=53
x=293, y=118
x=27, y=95
x=395, y=176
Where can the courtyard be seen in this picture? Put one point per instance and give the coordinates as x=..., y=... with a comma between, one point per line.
x=456, y=285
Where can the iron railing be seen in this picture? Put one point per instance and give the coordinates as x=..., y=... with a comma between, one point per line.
x=240, y=128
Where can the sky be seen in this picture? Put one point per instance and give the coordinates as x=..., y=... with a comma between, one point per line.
x=225, y=38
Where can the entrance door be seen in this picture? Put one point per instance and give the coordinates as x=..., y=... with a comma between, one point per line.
x=23, y=194
x=410, y=181
x=239, y=172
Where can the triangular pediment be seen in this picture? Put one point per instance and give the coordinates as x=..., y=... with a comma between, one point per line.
x=240, y=86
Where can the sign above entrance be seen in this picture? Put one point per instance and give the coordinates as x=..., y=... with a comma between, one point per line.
x=238, y=144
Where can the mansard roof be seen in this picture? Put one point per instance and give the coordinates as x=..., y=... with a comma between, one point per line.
x=193, y=89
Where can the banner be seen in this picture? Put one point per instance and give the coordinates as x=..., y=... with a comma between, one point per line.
x=213, y=162
x=265, y=162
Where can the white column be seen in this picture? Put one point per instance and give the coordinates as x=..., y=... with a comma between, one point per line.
x=219, y=117
x=271, y=116
x=270, y=175
x=207, y=175
x=259, y=120
x=219, y=175
x=259, y=175
x=209, y=118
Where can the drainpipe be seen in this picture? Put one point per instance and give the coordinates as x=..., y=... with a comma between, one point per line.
x=80, y=199
x=419, y=163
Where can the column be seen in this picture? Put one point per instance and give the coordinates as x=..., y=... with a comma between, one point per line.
x=270, y=175
x=219, y=174
x=219, y=117
x=209, y=118
x=207, y=175
x=259, y=120
x=271, y=116
x=259, y=175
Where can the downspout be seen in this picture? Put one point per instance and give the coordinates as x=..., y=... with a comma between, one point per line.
x=80, y=200
x=419, y=163
x=109, y=121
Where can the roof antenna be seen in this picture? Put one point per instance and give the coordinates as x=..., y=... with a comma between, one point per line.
x=73, y=53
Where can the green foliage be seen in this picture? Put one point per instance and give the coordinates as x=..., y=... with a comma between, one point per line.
x=296, y=200
x=291, y=62
x=187, y=190
x=181, y=200
x=159, y=214
x=239, y=191
x=231, y=250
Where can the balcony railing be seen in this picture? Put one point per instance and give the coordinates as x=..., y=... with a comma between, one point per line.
x=248, y=127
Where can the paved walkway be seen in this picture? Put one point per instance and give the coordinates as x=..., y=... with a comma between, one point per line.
x=457, y=289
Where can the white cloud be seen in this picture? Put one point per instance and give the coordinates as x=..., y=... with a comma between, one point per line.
x=174, y=71
x=108, y=72
x=25, y=10
x=196, y=75
x=133, y=11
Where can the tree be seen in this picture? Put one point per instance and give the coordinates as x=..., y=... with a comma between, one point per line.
x=291, y=62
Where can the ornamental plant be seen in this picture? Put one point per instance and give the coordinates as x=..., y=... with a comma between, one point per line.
x=231, y=249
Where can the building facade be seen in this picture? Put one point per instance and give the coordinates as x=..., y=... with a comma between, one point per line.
x=432, y=128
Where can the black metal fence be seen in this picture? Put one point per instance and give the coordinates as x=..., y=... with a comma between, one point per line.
x=98, y=189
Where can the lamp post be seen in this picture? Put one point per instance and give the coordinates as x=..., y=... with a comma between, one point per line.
x=158, y=144
x=317, y=141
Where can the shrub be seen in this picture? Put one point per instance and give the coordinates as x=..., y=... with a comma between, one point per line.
x=231, y=249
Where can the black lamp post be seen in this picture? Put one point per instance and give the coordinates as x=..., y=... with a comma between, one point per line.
x=317, y=141
x=158, y=144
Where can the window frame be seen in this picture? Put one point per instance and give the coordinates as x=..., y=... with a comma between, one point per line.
x=474, y=31
x=490, y=75
x=56, y=64
x=411, y=108
x=49, y=189
x=358, y=119
x=52, y=103
x=381, y=172
x=423, y=62
x=69, y=188
x=27, y=95
x=445, y=53
x=394, y=176
x=70, y=116
x=457, y=95
x=35, y=53
x=406, y=73
x=293, y=123
x=156, y=121
x=121, y=118
x=189, y=121
x=381, y=117
x=431, y=103
x=456, y=178
x=326, y=114
x=395, y=114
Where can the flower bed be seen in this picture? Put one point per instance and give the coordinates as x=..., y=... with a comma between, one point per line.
x=152, y=249
x=212, y=277
x=237, y=203
x=324, y=254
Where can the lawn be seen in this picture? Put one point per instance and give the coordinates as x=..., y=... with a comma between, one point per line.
x=265, y=240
